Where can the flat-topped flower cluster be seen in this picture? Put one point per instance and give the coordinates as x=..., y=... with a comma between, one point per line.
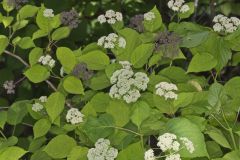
x=178, y=6
x=225, y=24
x=111, y=41
x=127, y=84
x=166, y=90
x=110, y=17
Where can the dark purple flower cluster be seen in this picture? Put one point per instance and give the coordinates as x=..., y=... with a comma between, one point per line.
x=136, y=22
x=70, y=18
x=168, y=43
x=17, y=3
x=81, y=71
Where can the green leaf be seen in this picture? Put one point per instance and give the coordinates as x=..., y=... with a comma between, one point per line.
x=78, y=153
x=47, y=24
x=66, y=58
x=55, y=105
x=36, y=144
x=41, y=127
x=127, y=153
x=37, y=73
x=99, y=81
x=6, y=6
x=7, y=21
x=73, y=85
x=60, y=146
x=40, y=155
x=95, y=60
x=154, y=24
x=114, y=108
x=60, y=33
x=100, y=127
x=218, y=137
x=3, y=43
x=232, y=87
x=193, y=39
x=141, y=55
x=27, y=11
x=234, y=155
x=19, y=25
x=12, y=153
x=189, y=12
x=100, y=102
x=34, y=55
x=39, y=34
x=17, y=112
x=26, y=43
x=182, y=127
x=140, y=113
x=202, y=62
x=3, y=119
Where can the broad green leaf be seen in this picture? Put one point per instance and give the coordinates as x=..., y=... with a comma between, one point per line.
x=175, y=74
x=202, y=62
x=3, y=118
x=99, y=81
x=12, y=153
x=189, y=12
x=39, y=34
x=95, y=60
x=60, y=33
x=154, y=24
x=232, y=87
x=234, y=155
x=66, y=58
x=37, y=73
x=100, y=127
x=193, y=39
x=41, y=127
x=19, y=25
x=78, y=153
x=141, y=55
x=34, y=55
x=60, y=146
x=73, y=85
x=27, y=11
x=26, y=43
x=55, y=105
x=6, y=6
x=114, y=108
x=214, y=150
x=218, y=137
x=36, y=144
x=40, y=155
x=134, y=151
x=100, y=102
x=7, y=21
x=140, y=113
x=17, y=112
x=3, y=43
x=182, y=127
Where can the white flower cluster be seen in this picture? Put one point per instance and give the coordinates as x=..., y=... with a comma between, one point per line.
x=110, y=17
x=102, y=151
x=178, y=6
x=169, y=143
x=126, y=84
x=48, y=13
x=149, y=155
x=149, y=16
x=166, y=90
x=9, y=86
x=38, y=106
x=74, y=116
x=111, y=40
x=47, y=60
x=225, y=24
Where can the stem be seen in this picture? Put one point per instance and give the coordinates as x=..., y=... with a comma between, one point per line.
x=3, y=135
x=124, y=129
x=219, y=122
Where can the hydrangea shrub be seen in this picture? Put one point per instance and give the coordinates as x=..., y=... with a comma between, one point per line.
x=147, y=89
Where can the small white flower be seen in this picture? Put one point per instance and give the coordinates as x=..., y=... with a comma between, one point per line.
x=43, y=99
x=119, y=16
x=165, y=89
x=74, y=116
x=149, y=16
x=47, y=60
x=235, y=21
x=102, y=19
x=9, y=86
x=122, y=42
x=184, y=8
x=188, y=144
x=111, y=20
x=217, y=18
x=149, y=155
x=170, y=3
x=102, y=151
x=218, y=27
x=51, y=63
x=110, y=13
x=168, y=141
x=125, y=64
x=37, y=107
x=48, y=13
x=173, y=157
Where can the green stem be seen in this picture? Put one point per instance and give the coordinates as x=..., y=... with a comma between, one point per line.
x=3, y=135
